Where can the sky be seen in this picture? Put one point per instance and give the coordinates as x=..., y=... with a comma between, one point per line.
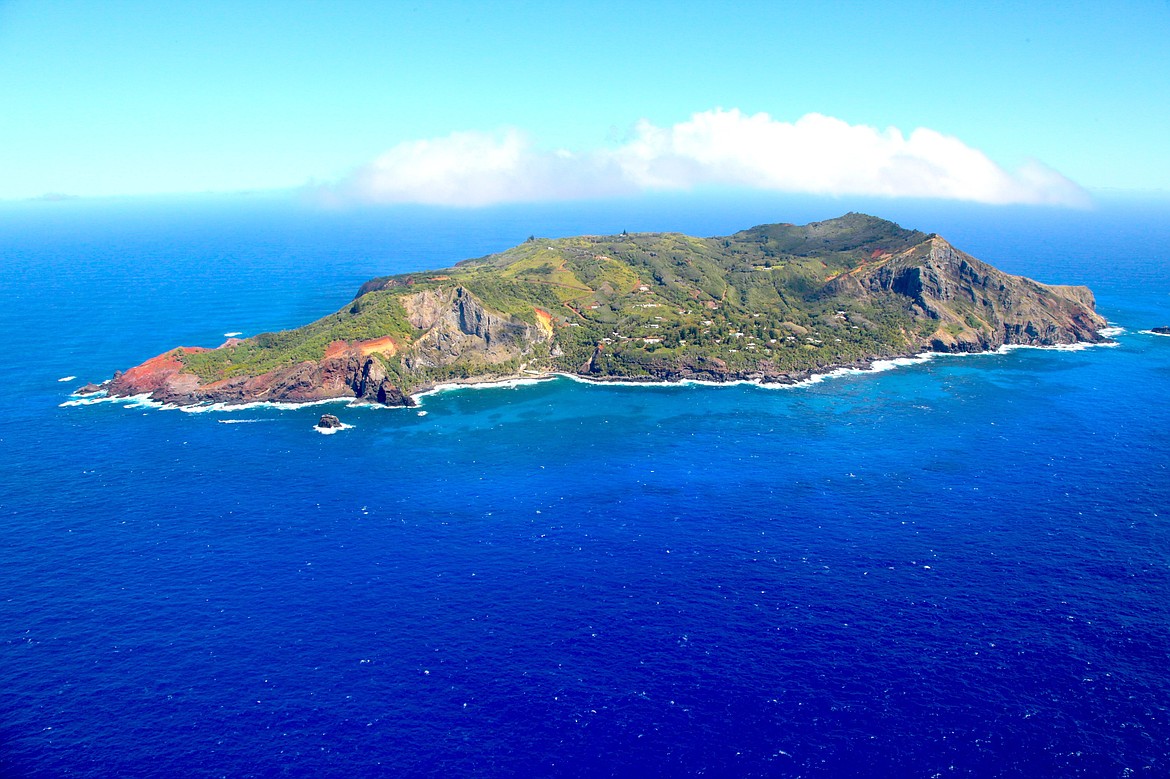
x=470, y=104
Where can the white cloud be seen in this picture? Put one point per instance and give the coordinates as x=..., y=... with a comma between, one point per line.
x=816, y=154
x=472, y=169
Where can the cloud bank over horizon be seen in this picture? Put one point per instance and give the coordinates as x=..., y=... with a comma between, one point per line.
x=816, y=154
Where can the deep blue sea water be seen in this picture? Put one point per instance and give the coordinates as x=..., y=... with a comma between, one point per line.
x=959, y=568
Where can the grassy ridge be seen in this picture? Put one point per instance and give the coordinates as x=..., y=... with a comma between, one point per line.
x=374, y=315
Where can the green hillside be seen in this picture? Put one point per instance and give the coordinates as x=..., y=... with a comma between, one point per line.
x=649, y=298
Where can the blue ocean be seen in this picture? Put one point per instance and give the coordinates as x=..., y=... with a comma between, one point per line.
x=954, y=568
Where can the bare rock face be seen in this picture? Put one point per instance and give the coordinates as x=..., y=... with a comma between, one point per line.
x=371, y=383
x=349, y=375
x=459, y=328
x=161, y=377
x=425, y=309
x=978, y=307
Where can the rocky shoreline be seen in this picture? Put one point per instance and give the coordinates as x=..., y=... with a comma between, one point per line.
x=665, y=379
x=887, y=291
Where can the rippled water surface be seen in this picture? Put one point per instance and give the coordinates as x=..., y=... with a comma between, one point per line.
x=955, y=568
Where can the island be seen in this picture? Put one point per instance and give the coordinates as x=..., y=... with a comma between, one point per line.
x=775, y=303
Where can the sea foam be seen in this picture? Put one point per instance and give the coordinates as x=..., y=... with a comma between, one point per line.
x=501, y=384
x=877, y=366
x=332, y=430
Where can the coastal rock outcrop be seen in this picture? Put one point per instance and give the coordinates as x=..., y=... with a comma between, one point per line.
x=329, y=422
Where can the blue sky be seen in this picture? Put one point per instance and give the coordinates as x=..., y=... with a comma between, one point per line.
x=470, y=103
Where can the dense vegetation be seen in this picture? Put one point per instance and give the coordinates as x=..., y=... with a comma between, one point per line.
x=637, y=304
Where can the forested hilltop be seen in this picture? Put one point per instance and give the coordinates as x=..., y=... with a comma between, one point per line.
x=771, y=303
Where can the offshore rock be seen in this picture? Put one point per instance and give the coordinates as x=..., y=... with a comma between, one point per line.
x=328, y=422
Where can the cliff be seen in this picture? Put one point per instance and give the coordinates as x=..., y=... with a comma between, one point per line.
x=975, y=306
x=453, y=327
x=773, y=303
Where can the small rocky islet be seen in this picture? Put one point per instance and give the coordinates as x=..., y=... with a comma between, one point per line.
x=329, y=422
x=775, y=303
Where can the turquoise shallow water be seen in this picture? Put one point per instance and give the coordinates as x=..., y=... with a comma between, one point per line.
x=955, y=568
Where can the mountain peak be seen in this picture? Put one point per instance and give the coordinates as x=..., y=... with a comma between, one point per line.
x=851, y=232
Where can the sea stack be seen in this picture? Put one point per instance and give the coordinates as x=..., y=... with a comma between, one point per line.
x=329, y=422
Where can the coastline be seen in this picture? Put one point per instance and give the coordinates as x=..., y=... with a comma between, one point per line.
x=529, y=378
